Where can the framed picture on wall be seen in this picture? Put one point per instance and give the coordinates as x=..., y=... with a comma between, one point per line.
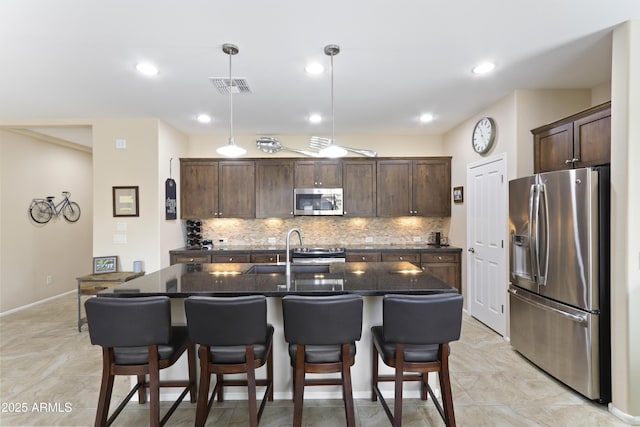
x=458, y=194
x=125, y=201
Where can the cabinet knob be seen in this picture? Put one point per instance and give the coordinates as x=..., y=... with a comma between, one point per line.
x=364, y=258
x=191, y=259
x=230, y=258
x=440, y=257
x=401, y=259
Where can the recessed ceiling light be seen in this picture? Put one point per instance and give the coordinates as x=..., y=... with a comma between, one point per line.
x=204, y=118
x=314, y=68
x=426, y=118
x=315, y=118
x=147, y=69
x=484, y=68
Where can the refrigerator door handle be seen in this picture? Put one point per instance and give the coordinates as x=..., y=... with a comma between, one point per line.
x=573, y=317
x=543, y=259
x=532, y=232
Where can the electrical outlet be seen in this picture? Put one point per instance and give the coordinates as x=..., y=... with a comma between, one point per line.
x=271, y=240
x=49, y=280
x=417, y=238
x=368, y=239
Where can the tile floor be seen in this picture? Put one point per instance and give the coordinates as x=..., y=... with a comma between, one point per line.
x=52, y=372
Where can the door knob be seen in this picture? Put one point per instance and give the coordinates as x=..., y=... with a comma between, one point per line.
x=473, y=251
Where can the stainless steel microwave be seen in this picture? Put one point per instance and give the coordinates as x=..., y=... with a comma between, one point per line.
x=318, y=201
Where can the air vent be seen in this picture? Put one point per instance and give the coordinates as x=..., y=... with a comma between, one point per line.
x=222, y=84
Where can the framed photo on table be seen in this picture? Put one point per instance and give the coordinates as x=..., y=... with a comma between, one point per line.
x=125, y=201
x=105, y=264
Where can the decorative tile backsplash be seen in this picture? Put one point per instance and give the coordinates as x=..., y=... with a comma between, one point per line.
x=324, y=231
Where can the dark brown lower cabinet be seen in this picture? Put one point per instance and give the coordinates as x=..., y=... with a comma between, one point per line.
x=445, y=266
x=362, y=256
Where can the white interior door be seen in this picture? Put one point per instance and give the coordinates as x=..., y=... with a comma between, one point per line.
x=486, y=236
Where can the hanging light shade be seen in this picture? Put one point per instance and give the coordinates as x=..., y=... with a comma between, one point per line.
x=332, y=149
x=230, y=149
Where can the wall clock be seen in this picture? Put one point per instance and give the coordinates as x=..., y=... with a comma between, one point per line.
x=484, y=135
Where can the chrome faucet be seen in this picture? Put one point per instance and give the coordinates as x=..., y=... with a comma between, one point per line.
x=289, y=233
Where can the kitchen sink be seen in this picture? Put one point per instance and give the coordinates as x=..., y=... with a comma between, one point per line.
x=281, y=269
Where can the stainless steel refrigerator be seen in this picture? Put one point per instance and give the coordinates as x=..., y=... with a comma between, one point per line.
x=559, y=276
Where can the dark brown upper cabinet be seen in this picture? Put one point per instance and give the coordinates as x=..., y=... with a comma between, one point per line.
x=359, y=184
x=198, y=189
x=318, y=174
x=420, y=187
x=217, y=189
x=274, y=188
x=237, y=189
x=580, y=140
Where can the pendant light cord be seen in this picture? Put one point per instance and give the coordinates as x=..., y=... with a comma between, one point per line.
x=230, y=101
x=333, y=116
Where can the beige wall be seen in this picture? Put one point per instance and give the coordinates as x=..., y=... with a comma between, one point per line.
x=149, y=146
x=625, y=201
x=29, y=252
x=385, y=145
x=171, y=146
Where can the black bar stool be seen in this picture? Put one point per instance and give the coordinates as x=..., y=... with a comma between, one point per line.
x=321, y=332
x=414, y=337
x=234, y=337
x=137, y=338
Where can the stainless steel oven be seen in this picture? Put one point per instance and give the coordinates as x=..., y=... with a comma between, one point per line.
x=318, y=255
x=318, y=201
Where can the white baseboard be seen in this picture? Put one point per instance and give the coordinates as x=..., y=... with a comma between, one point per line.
x=626, y=418
x=14, y=310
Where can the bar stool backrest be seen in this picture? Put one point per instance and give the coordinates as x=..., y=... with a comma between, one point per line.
x=422, y=319
x=129, y=322
x=322, y=320
x=219, y=321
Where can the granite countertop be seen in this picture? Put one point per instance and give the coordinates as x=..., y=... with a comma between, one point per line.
x=372, y=278
x=282, y=248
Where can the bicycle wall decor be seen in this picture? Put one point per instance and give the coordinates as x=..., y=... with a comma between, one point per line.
x=42, y=210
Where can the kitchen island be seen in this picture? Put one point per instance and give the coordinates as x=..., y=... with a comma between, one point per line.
x=369, y=279
x=228, y=279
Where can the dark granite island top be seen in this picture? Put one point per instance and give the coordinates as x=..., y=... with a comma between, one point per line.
x=367, y=279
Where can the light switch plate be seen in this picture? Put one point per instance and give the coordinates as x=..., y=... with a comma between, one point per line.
x=417, y=238
x=121, y=143
x=120, y=239
x=271, y=240
x=368, y=239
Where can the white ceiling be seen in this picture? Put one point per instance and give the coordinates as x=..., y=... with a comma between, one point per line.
x=75, y=59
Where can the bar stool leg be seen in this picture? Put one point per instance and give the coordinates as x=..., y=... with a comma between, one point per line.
x=397, y=404
x=298, y=392
x=347, y=391
x=374, y=372
x=202, y=407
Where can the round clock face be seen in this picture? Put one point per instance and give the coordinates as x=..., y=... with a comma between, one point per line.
x=484, y=133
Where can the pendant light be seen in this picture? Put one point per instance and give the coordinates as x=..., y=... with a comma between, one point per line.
x=230, y=149
x=332, y=149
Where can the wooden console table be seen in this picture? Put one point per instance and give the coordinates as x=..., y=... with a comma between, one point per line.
x=91, y=284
